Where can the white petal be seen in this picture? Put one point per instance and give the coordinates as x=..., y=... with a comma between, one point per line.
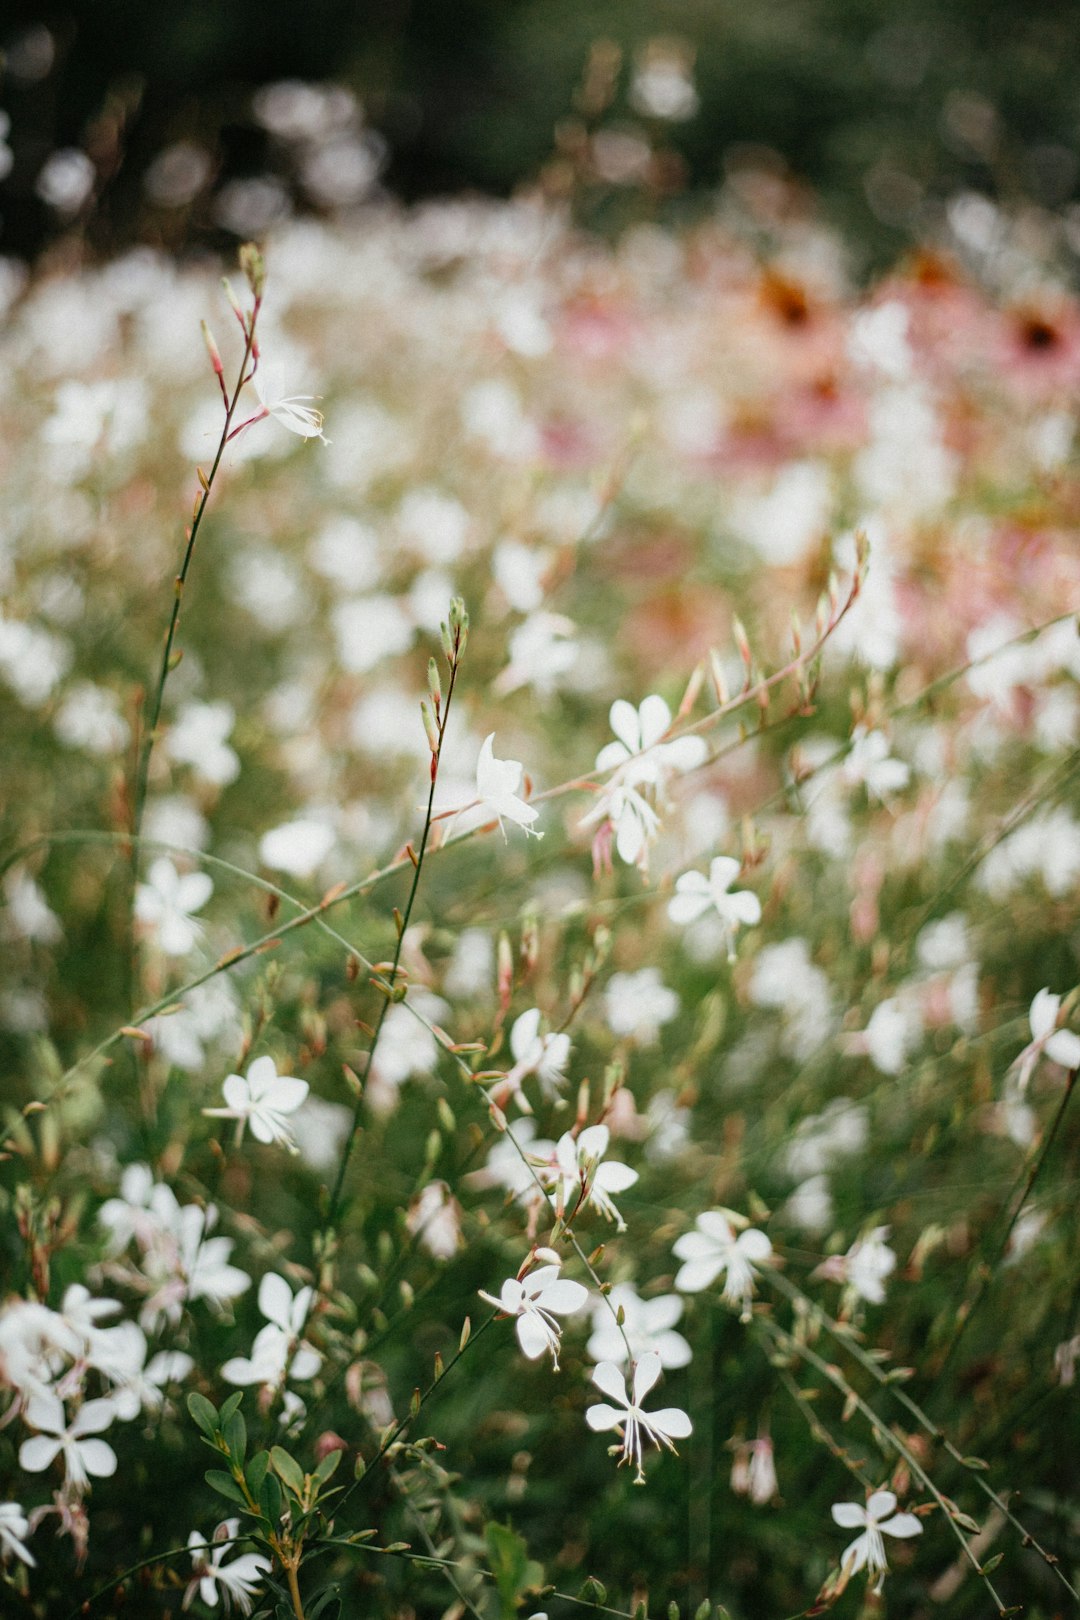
x=881, y=1504
x=1043, y=1015
x=261, y=1076
x=611, y=756
x=37, y=1453
x=564, y=1297
x=94, y=1417
x=654, y=718
x=744, y=906
x=753, y=1245
x=687, y=908
x=722, y=873
x=613, y=1177
x=646, y=1373
x=671, y=1421
x=623, y=718
x=1064, y=1047
x=287, y=1094
x=593, y=1142
x=902, y=1525
x=604, y=1416
x=607, y=1377
x=532, y=1336
x=98, y=1458
x=237, y=1094
x=698, y=1274
x=849, y=1515
x=276, y=1300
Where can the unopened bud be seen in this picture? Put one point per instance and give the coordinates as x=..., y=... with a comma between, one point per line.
x=434, y=685
x=530, y=941
x=212, y=350
x=716, y=670
x=742, y=641
x=234, y=302
x=253, y=265
x=505, y=958
x=431, y=730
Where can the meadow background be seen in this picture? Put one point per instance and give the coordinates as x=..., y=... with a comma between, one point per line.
x=698, y=390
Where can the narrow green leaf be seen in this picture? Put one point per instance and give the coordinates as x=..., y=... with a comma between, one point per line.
x=225, y=1485
x=288, y=1470
x=256, y=1471
x=328, y=1467
x=234, y=1430
x=203, y=1413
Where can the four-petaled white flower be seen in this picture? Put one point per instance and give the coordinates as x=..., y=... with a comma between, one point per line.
x=864, y=1268
x=869, y=763
x=165, y=902
x=648, y=1324
x=238, y=1582
x=497, y=782
x=639, y=755
x=663, y=1428
x=14, y=1526
x=536, y=1300
x=278, y=1351
x=715, y=1250
x=263, y=1099
x=82, y=1457
x=695, y=894
x=868, y=1550
x=1059, y=1045
x=293, y=411
x=577, y=1174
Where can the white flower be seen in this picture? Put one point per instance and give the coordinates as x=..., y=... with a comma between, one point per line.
x=894, y=1027
x=263, y=1099
x=297, y=847
x=868, y=763
x=14, y=1526
x=278, y=1351
x=198, y=738
x=869, y=1262
x=497, y=781
x=639, y=754
x=695, y=894
x=714, y=1250
x=291, y=410
x=82, y=1457
x=164, y=903
x=638, y=1003
x=1059, y=1045
x=238, y=1582
x=576, y=1174
x=546, y=1056
x=864, y=1268
x=536, y=1300
x=753, y=1473
x=434, y=1217
x=868, y=1550
x=663, y=1428
x=648, y=1325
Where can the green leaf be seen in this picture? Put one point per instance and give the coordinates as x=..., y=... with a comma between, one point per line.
x=991, y=1564
x=203, y=1413
x=288, y=1469
x=229, y=1407
x=514, y=1572
x=703, y=1610
x=256, y=1471
x=328, y=1467
x=326, y=1605
x=225, y=1485
x=976, y=1463
x=234, y=1430
x=270, y=1499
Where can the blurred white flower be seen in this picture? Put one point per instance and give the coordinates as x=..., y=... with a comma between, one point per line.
x=715, y=1250
x=637, y=1004
x=434, y=1216
x=536, y=1300
x=864, y=1268
x=197, y=738
x=869, y=764
x=278, y=1351
x=165, y=902
x=1059, y=1045
x=263, y=1099
x=648, y=1325
x=867, y=1551
x=753, y=1472
x=545, y=1056
x=297, y=847
x=663, y=1428
x=14, y=1528
x=83, y=1457
x=695, y=894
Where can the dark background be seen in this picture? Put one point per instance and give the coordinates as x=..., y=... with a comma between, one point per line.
x=885, y=107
